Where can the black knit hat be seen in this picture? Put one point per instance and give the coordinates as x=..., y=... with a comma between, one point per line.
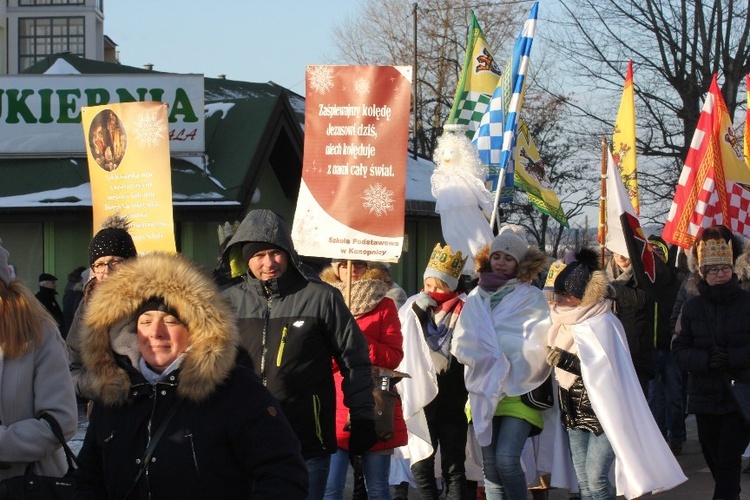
x=112, y=241
x=155, y=304
x=574, y=279
x=252, y=247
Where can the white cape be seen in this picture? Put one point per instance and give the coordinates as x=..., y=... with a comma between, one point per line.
x=503, y=350
x=644, y=463
x=421, y=388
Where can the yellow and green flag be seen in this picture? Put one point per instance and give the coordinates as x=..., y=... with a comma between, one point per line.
x=623, y=140
x=531, y=175
x=477, y=83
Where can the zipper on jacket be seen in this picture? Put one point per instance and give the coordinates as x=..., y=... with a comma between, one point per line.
x=280, y=355
x=264, y=344
x=316, y=414
x=189, y=437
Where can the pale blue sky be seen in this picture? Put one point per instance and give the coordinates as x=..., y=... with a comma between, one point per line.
x=248, y=40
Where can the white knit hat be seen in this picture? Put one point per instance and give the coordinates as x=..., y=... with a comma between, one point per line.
x=511, y=239
x=4, y=270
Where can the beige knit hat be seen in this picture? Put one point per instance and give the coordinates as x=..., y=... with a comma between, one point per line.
x=511, y=239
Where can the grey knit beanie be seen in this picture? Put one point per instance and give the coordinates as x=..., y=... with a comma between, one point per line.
x=511, y=240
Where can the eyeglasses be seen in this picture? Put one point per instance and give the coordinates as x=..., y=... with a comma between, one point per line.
x=111, y=265
x=719, y=269
x=356, y=264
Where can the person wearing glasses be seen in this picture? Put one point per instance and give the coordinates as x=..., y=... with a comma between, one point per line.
x=713, y=346
x=109, y=248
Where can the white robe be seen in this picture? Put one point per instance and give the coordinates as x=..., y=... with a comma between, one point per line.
x=644, y=463
x=503, y=350
x=421, y=388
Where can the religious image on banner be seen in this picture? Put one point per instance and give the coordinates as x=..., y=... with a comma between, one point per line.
x=127, y=146
x=352, y=196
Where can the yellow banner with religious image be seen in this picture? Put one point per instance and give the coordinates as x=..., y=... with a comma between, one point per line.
x=127, y=145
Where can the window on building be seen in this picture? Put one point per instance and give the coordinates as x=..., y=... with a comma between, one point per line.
x=25, y=3
x=39, y=37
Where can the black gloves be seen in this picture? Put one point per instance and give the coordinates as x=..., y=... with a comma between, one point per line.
x=553, y=355
x=718, y=359
x=362, y=436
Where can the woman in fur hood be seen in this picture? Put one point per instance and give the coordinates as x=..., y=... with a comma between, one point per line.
x=500, y=338
x=377, y=317
x=159, y=344
x=601, y=401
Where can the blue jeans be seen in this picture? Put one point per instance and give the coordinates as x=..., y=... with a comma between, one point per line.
x=376, y=468
x=317, y=471
x=592, y=458
x=503, y=475
x=665, y=397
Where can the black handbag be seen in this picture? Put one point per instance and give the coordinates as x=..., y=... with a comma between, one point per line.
x=540, y=398
x=33, y=487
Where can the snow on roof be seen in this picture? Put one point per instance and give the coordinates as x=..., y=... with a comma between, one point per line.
x=418, y=172
x=61, y=67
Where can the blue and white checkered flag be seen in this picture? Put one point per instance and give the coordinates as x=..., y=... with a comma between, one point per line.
x=495, y=138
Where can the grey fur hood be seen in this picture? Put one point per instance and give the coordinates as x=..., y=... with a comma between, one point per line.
x=110, y=326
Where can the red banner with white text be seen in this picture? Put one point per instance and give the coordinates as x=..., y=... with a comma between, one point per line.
x=352, y=196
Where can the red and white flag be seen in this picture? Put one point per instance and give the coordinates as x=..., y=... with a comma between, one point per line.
x=624, y=233
x=713, y=185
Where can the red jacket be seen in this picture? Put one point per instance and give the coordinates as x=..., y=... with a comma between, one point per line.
x=382, y=329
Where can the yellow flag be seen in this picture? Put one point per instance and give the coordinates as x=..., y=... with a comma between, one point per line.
x=478, y=80
x=623, y=140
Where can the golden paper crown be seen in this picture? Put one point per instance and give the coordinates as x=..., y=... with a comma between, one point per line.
x=446, y=262
x=714, y=251
x=554, y=270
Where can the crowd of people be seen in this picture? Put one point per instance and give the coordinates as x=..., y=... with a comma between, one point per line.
x=277, y=381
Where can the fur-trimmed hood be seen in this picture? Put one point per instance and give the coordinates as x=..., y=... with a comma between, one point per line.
x=367, y=291
x=110, y=326
x=375, y=271
x=529, y=268
x=597, y=289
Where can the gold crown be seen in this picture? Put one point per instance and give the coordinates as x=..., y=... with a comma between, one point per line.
x=446, y=262
x=714, y=251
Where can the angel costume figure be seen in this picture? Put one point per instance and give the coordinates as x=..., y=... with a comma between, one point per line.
x=602, y=405
x=463, y=201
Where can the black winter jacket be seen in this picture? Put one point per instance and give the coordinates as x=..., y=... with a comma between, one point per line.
x=575, y=407
x=718, y=316
x=630, y=305
x=214, y=449
x=292, y=328
x=228, y=437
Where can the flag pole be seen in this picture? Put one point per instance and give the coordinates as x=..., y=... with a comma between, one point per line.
x=496, y=203
x=603, y=204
